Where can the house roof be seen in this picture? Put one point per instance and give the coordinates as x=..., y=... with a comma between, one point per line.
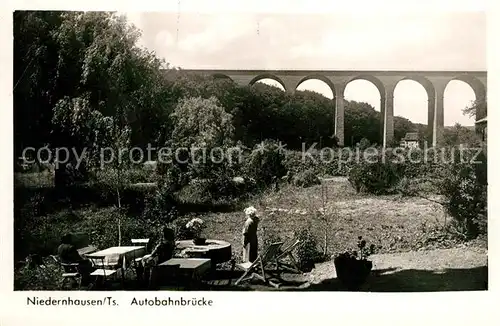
x=411, y=136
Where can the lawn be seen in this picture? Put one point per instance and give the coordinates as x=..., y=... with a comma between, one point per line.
x=393, y=223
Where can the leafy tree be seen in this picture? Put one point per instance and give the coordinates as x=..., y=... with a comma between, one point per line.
x=90, y=58
x=35, y=77
x=112, y=174
x=81, y=125
x=89, y=85
x=478, y=109
x=458, y=135
x=361, y=121
x=266, y=163
x=106, y=140
x=402, y=126
x=200, y=140
x=201, y=122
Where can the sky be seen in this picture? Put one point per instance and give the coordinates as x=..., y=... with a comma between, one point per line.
x=333, y=41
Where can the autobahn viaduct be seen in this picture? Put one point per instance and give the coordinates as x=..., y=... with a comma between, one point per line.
x=434, y=82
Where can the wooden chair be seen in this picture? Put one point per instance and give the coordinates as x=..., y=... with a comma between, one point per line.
x=101, y=270
x=281, y=262
x=70, y=271
x=82, y=243
x=140, y=242
x=257, y=268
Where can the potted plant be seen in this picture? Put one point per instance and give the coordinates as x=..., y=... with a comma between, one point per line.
x=195, y=227
x=353, y=267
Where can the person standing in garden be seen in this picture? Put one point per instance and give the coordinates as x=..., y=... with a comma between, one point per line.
x=250, y=239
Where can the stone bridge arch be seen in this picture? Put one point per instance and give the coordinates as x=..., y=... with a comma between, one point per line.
x=477, y=86
x=222, y=76
x=323, y=78
x=431, y=99
x=268, y=76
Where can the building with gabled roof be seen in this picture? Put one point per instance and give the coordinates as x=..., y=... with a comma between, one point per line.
x=410, y=140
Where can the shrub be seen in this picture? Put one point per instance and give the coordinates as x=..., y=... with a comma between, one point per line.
x=266, y=163
x=375, y=177
x=140, y=175
x=41, y=234
x=307, y=250
x=161, y=205
x=306, y=179
x=46, y=276
x=223, y=186
x=183, y=233
x=214, y=193
x=466, y=198
x=102, y=227
x=333, y=163
x=364, y=143
x=295, y=162
x=67, y=175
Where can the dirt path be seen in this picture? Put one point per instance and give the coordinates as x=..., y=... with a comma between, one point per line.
x=456, y=269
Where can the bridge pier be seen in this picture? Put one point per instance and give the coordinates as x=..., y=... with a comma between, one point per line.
x=431, y=102
x=339, y=114
x=438, y=113
x=388, y=116
x=382, y=114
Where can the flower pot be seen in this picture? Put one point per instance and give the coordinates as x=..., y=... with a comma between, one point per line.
x=199, y=241
x=352, y=272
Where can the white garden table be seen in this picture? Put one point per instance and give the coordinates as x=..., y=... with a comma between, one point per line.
x=119, y=256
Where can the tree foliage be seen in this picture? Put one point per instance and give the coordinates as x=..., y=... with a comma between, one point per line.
x=201, y=123
x=465, y=191
x=460, y=135
x=477, y=109
x=200, y=143
x=83, y=60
